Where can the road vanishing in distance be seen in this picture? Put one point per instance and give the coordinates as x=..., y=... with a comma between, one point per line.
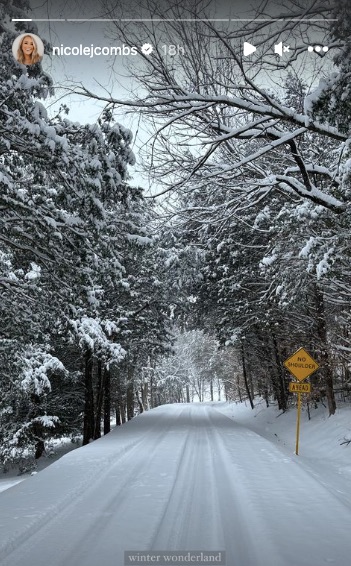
x=179, y=477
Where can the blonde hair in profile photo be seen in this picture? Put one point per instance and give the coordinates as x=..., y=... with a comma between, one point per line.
x=34, y=56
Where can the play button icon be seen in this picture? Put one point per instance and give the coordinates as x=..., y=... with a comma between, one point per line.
x=248, y=49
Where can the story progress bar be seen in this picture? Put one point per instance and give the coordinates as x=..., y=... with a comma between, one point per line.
x=90, y=20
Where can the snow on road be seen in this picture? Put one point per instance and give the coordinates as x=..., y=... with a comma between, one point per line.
x=180, y=477
x=6, y=484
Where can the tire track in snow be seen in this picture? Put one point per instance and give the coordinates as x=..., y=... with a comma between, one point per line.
x=244, y=543
x=190, y=519
x=31, y=538
x=283, y=505
x=200, y=481
x=114, y=504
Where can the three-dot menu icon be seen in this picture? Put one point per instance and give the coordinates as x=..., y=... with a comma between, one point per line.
x=318, y=48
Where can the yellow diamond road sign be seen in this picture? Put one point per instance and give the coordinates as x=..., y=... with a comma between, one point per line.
x=301, y=364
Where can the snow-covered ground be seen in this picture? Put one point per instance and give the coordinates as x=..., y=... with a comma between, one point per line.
x=323, y=450
x=191, y=477
x=58, y=447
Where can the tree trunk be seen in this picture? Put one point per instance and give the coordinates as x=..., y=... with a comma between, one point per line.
x=245, y=377
x=152, y=400
x=130, y=393
x=219, y=388
x=99, y=400
x=107, y=401
x=39, y=449
x=251, y=385
x=88, y=427
x=122, y=410
x=140, y=402
x=145, y=396
x=266, y=397
x=226, y=390
x=118, y=415
x=279, y=371
x=325, y=359
x=239, y=388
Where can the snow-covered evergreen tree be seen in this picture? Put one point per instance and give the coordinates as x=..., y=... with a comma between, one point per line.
x=75, y=259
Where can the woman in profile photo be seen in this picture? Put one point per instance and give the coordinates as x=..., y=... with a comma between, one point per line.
x=28, y=49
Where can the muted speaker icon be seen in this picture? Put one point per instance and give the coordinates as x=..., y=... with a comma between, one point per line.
x=280, y=49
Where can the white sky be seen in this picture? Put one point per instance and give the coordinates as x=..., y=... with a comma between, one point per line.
x=100, y=74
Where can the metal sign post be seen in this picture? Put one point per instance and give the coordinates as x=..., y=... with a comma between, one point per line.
x=301, y=365
x=298, y=423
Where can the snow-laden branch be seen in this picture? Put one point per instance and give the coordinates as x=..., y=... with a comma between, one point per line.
x=315, y=195
x=196, y=102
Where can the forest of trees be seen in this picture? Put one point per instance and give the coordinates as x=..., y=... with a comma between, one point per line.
x=112, y=304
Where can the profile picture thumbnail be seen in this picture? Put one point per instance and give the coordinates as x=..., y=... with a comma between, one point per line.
x=28, y=49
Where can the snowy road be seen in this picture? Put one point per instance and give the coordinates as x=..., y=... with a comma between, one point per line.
x=180, y=477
